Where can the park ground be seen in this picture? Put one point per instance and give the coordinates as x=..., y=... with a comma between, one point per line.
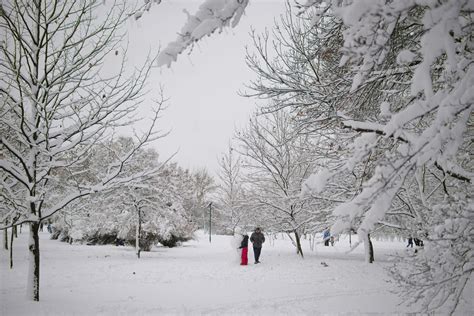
x=201, y=278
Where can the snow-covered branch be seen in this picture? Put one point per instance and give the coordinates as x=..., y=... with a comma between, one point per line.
x=212, y=15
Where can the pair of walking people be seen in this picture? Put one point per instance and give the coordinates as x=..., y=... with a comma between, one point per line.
x=257, y=238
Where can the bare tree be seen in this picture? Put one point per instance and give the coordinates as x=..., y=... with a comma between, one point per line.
x=57, y=102
x=230, y=192
x=203, y=185
x=297, y=68
x=277, y=161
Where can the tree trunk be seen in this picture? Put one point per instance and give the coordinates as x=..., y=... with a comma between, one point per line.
x=15, y=230
x=5, y=239
x=11, y=246
x=369, y=248
x=312, y=240
x=32, y=290
x=138, y=233
x=299, y=250
x=371, y=251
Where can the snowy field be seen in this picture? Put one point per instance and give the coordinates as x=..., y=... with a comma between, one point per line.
x=200, y=279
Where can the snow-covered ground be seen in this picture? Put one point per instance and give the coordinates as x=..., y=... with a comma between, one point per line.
x=199, y=278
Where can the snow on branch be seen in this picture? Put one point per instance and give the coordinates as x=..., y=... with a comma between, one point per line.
x=439, y=93
x=212, y=15
x=450, y=168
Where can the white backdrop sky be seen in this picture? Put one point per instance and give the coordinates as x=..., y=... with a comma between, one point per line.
x=204, y=108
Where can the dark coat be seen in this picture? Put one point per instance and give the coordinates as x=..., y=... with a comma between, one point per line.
x=257, y=238
x=245, y=242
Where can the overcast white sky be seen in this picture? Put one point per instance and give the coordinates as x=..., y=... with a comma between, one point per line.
x=204, y=108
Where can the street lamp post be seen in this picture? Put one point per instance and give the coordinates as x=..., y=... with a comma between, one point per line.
x=210, y=217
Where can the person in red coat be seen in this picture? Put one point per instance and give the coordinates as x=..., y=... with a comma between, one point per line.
x=244, y=245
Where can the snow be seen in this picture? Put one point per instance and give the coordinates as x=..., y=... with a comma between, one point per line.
x=405, y=57
x=316, y=182
x=212, y=15
x=200, y=278
x=385, y=109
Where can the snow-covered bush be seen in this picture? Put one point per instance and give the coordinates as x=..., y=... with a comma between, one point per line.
x=167, y=226
x=153, y=208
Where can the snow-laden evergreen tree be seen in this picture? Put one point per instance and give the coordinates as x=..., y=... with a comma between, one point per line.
x=57, y=102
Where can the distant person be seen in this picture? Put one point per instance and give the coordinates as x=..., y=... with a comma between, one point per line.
x=418, y=242
x=326, y=237
x=332, y=241
x=257, y=238
x=50, y=230
x=410, y=242
x=244, y=245
x=119, y=242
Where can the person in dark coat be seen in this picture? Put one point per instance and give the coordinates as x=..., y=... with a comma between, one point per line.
x=257, y=238
x=418, y=242
x=326, y=237
x=244, y=245
x=410, y=242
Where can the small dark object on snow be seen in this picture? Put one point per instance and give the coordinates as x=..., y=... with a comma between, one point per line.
x=324, y=264
x=116, y=52
x=133, y=272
